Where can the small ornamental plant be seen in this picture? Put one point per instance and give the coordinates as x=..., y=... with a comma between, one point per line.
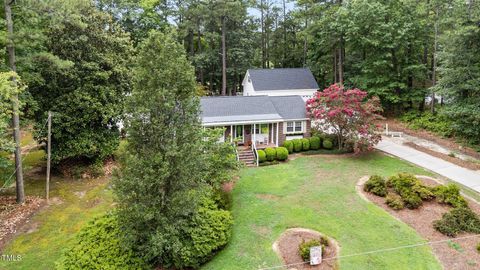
x=304, y=247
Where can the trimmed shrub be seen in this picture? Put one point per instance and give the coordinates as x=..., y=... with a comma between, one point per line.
x=315, y=143
x=304, y=247
x=305, y=144
x=327, y=144
x=376, y=185
x=97, y=246
x=282, y=153
x=410, y=189
x=450, y=194
x=394, y=201
x=297, y=145
x=289, y=146
x=262, y=156
x=424, y=192
x=271, y=153
x=458, y=220
x=411, y=199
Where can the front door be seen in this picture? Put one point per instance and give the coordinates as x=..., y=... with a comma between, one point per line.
x=239, y=134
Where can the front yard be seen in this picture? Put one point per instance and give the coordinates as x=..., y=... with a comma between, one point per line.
x=318, y=192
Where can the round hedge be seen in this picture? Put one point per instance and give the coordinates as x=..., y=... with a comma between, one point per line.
x=289, y=146
x=271, y=153
x=327, y=144
x=297, y=145
x=315, y=143
x=282, y=153
x=262, y=156
x=305, y=144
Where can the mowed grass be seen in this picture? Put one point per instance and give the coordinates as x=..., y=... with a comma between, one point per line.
x=318, y=192
x=74, y=203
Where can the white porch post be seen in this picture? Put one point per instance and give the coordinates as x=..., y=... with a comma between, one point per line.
x=277, y=135
x=231, y=133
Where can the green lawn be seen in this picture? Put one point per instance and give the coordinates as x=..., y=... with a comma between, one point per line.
x=318, y=192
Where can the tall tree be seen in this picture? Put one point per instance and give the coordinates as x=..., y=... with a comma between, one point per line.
x=15, y=103
x=83, y=79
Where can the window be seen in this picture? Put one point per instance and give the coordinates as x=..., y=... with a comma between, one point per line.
x=289, y=126
x=294, y=127
x=261, y=129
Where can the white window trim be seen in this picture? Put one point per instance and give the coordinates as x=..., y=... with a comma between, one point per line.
x=303, y=125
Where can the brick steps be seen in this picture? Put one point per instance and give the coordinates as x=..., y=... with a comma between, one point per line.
x=248, y=157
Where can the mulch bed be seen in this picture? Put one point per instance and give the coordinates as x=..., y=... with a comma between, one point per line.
x=449, y=143
x=457, y=161
x=421, y=220
x=287, y=248
x=13, y=216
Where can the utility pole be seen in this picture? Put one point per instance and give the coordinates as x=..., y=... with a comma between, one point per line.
x=49, y=151
x=16, y=119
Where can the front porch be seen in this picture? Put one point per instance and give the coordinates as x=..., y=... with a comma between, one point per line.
x=263, y=135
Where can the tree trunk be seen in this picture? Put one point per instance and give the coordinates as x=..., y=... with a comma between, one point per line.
x=15, y=104
x=199, y=50
x=434, y=68
x=262, y=22
x=340, y=62
x=224, y=59
x=284, y=60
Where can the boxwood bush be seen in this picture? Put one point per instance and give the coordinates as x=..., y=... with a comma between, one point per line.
x=289, y=146
x=327, y=144
x=376, y=185
x=97, y=246
x=450, y=194
x=282, y=153
x=394, y=201
x=315, y=143
x=305, y=144
x=262, y=156
x=297, y=145
x=271, y=153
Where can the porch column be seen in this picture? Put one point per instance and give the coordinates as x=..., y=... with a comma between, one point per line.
x=277, y=135
x=231, y=133
x=254, y=133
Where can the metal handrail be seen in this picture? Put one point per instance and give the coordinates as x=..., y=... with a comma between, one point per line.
x=254, y=148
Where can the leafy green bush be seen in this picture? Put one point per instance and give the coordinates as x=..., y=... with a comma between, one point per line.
x=376, y=185
x=315, y=143
x=305, y=144
x=327, y=144
x=262, y=156
x=271, y=153
x=297, y=145
x=437, y=123
x=478, y=248
x=97, y=246
x=282, y=153
x=304, y=247
x=394, y=201
x=289, y=146
x=458, y=220
x=450, y=194
x=410, y=189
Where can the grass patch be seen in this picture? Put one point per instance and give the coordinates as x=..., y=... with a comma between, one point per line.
x=319, y=193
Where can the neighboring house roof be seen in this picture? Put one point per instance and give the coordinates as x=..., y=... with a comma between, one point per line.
x=233, y=109
x=282, y=79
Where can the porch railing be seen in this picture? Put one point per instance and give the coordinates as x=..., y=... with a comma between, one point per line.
x=255, y=151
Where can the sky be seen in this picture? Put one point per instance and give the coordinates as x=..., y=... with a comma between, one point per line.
x=256, y=13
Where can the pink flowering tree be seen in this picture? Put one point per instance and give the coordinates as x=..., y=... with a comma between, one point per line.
x=348, y=114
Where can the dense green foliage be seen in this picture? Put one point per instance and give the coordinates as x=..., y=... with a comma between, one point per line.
x=412, y=191
x=450, y=194
x=327, y=144
x=394, y=201
x=437, y=123
x=297, y=145
x=271, y=153
x=305, y=144
x=315, y=142
x=83, y=80
x=376, y=185
x=289, y=146
x=304, y=247
x=458, y=220
x=282, y=153
x=98, y=246
x=165, y=187
x=262, y=156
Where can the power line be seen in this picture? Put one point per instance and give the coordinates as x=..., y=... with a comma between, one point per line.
x=7, y=182
x=376, y=251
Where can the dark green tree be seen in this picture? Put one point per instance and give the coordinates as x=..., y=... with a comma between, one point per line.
x=166, y=185
x=83, y=79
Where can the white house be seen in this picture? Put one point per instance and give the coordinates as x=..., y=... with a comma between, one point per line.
x=279, y=82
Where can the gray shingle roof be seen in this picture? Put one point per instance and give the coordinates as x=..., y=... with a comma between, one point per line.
x=282, y=79
x=233, y=109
